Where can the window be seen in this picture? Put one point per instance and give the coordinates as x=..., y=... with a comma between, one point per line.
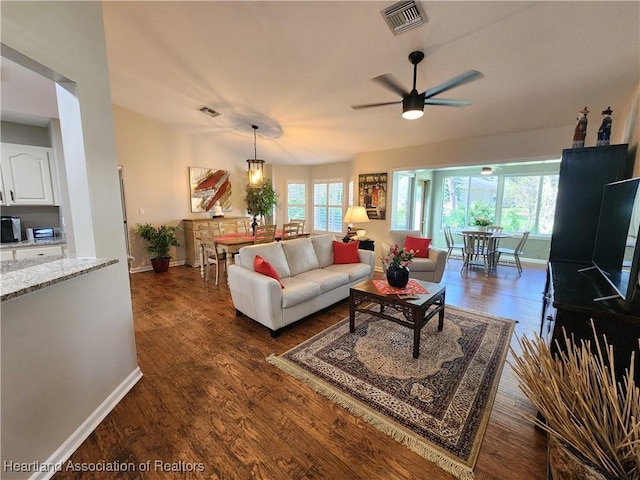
x=468, y=198
x=403, y=186
x=527, y=201
x=327, y=206
x=296, y=200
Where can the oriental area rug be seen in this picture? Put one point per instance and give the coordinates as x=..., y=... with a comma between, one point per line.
x=438, y=405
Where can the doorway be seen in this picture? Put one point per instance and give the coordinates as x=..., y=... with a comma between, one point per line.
x=123, y=205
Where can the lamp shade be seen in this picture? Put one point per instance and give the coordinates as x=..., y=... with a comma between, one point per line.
x=356, y=214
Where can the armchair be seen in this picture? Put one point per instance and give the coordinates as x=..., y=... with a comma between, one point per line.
x=429, y=269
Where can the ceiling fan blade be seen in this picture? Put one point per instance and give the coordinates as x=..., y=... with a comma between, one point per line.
x=390, y=82
x=370, y=105
x=445, y=102
x=461, y=79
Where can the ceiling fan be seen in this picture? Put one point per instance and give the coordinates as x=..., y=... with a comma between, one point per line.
x=413, y=102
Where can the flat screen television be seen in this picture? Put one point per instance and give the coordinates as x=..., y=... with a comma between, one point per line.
x=616, y=253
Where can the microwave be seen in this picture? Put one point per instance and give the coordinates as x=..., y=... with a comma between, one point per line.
x=40, y=234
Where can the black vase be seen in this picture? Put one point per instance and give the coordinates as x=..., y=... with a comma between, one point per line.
x=397, y=276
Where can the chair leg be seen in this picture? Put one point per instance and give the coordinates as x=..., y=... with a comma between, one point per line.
x=518, y=264
x=217, y=272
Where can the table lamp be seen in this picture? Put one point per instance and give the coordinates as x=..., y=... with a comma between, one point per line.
x=355, y=214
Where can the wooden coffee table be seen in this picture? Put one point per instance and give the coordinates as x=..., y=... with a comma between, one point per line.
x=364, y=297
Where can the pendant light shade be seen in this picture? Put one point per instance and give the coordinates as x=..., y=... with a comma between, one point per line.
x=255, y=166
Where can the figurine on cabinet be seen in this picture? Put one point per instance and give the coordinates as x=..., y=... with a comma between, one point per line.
x=580, y=132
x=604, y=133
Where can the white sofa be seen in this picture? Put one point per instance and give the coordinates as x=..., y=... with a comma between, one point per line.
x=429, y=269
x=306, y=269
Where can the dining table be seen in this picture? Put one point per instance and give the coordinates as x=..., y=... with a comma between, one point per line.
x=494, y=239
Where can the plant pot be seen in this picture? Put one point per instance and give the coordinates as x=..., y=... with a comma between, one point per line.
x=482, y=228
x=160, y=265
x=567, y=465
x=397, y=276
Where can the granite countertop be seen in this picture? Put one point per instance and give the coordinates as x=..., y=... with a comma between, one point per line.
x=27, y=243
x=19, y=277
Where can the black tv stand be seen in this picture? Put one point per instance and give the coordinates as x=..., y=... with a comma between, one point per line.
x=569, y=304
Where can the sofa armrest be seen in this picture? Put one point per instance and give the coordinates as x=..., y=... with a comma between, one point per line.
x=439, y=257
x=257, y=296
x=368, y=257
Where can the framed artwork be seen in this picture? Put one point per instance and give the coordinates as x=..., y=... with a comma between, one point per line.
x=208, y=186
x=372, y=191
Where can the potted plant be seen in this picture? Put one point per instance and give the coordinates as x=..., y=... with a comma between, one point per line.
x=482, y=223
x=159, y=242
x=260, y=201
x=397, y=264
x=593, y=419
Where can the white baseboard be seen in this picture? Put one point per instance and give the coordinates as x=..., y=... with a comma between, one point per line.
x=64, y=452
x=149, y=267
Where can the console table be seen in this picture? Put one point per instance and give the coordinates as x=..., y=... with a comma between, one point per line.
x=191, y=243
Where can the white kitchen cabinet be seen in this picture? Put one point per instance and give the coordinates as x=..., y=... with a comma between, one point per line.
x=26, y=175
x=32, y=252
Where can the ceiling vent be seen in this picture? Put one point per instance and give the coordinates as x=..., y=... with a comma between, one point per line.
x=403, y=16
x=209, y=111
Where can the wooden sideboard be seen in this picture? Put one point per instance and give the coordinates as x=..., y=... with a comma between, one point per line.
x=191, y=243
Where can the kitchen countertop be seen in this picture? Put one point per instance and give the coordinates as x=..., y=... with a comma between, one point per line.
x=26, y=243
x=19, y=277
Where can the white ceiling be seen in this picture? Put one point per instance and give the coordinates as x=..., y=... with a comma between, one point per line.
x=295, y=67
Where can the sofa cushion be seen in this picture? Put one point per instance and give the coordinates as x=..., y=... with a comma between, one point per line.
x=419, y=245
x=260, y=265
x=422, y=265
x=271, y=252
x=327, y=280
x=355, y=271
x=300, y=255
x=298, y=290
x=345, y=252
x=323, y=245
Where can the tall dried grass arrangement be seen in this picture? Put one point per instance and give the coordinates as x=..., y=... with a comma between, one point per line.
x=585, y=407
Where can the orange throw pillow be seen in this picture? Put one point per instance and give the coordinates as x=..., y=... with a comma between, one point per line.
x=346, y=252
x=260, y=265
x=419, y=244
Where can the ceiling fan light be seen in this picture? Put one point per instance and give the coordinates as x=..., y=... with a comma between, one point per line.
x=412, y=107
x=412, y=114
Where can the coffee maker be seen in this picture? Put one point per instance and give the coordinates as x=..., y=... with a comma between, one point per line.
x=11, y=229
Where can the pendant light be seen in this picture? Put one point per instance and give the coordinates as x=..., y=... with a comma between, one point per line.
x=255, y=166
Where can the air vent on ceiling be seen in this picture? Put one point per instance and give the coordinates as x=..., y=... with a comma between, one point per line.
x=402, y=16
x=209, y=111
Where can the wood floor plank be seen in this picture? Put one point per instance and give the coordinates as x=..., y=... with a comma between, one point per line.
x=209, y=397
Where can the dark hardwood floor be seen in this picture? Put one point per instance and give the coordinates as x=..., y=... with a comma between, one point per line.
x=209, y=400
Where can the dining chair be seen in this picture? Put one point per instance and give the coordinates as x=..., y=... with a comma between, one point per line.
x=451, y=244
x=515, y=252
x=290, y=231
x=300, y=222
x=494, y=228
x=210, y=251
x=478, y=248
x=265, y=234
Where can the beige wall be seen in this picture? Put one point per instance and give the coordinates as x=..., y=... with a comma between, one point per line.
x=156, y=159
x=629, y=130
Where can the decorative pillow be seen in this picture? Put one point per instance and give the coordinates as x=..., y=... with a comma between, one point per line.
x=419, y=244
x=346, y=252
x=260, y=265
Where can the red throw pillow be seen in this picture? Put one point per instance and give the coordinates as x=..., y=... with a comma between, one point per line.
x=419, y=244
x=260, y=265
x=346, y=252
